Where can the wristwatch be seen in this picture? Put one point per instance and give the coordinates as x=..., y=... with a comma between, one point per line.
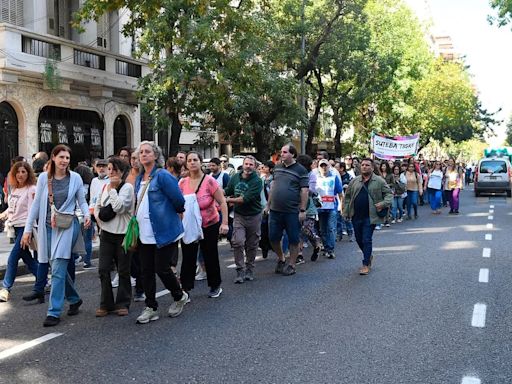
x=303, y=210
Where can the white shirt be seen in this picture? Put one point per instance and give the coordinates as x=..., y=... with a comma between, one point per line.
x=146, y=234
x=95, y=189
x=435, y=180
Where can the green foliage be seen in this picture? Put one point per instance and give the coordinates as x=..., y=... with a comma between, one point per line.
x=504, y=16
x=51, y=75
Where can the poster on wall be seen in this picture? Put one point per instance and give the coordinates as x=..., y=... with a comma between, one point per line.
x=46, y=132
x=62, y=132
x=394, y=148
x=78, y=134
x=95, y=138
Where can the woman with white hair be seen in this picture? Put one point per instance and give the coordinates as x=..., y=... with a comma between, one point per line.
x=159, y=203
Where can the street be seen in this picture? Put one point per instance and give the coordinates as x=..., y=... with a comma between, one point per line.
x=427, y=313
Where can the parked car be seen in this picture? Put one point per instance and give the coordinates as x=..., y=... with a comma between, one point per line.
x=493, y=174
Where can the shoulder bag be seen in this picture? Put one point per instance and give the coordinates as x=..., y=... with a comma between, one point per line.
x=192, y=221
x=131, y=236
x=63, y=220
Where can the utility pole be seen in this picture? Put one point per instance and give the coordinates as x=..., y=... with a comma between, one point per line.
x=302, y=98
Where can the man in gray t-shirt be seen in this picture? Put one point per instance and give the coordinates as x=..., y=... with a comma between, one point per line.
x=287, y=205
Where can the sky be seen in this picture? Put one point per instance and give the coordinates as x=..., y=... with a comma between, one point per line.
x=486, y=49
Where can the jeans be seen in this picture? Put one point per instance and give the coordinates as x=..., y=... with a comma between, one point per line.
x=88, y=234
x=327, y=220
x=63, y=271
x=158, y=260
x=16, y=254
x=111, y=250
x=435, y=197
x=454, y=199
x=363, y=231
x=396, y=207
x=246, y=236
x=211, y=259
x=412, y=202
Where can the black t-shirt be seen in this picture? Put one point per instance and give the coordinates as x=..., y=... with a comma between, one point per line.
x=362, y=204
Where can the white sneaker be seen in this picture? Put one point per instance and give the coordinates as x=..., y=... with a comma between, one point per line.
x=201, y=275
x=78, y=260
x=115, y=282
x=177, y=306
x=133, y=281
x=147, y=315
x=393, y=221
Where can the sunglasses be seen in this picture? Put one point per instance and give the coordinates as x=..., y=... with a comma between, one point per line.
x=323, y=165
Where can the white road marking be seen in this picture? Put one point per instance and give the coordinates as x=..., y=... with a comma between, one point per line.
x=162, y=293
x=489, y=225
x=483, y=276
x=490, y=217
x=258, y=258
x=491, y=206
x=479, y=312
x=491, y=210
x=29, y=344
x=488, y=236
x=471, y=380
x=486, y=252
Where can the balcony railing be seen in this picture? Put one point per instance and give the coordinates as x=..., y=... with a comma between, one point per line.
x=40, y=48
x=87, y=59
x=128, y=69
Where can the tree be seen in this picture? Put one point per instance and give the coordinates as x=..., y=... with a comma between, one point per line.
x=504, y=16
x=509, y=131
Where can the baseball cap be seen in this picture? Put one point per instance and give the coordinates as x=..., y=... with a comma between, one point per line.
x=323, y=161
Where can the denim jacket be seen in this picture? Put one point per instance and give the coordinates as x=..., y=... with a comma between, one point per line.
x=165, y=202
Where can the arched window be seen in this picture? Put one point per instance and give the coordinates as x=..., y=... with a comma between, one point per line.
x=121, y=133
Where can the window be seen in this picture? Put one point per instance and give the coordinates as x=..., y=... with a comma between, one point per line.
x=11, y=11
x=40, y=48
x=86, y=59
x=493, y=166
x=128, y=69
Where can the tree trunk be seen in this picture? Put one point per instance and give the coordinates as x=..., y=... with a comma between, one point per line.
x=262, y=145
x=338, y=121
x=176, y=128
x=314, y=119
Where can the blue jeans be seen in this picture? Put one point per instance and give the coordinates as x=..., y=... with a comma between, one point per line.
x=396, y=207
x=88, y=234
x=327, y=219
x=363, y=231
x=16, y=254
x=412, y=202
x=62, y=280
x=435, y=197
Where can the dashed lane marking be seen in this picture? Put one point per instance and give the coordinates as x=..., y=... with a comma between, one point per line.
x=491, y=206
x=483, y=276
x=479, y=312
x=488, y=236
x=471, y=380
x=486, y=252
x=491, y=210
x=162, y=293
x=490, y=217
x=489, y=226
x=29, y=344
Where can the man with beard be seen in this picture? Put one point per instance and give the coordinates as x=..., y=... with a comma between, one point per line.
x=244, y=193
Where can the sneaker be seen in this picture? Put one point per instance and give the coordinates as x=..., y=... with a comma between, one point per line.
x=280, y=266
x=133, y=281
x=387, y=225
x=4, y=295
x=399, y=220
x=314, y=255
x=289, y=270
x=177, y=307
x=393, y=221
x=456, y=212
x=148, y=314
x=331, y=255
x=364, y=270
x=215, y=292
x=88, y=266
x=51, y=321
x=74, y=308
x=249, y=275
x=378, y=227
x=240, y=277
x=305, y=245
x=344, y=233
x=300, y=260
x=201, y=275
x=78, y=260
x=115, y=282
x=139, y=296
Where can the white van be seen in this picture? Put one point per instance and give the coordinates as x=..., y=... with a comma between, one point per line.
x=493, y=174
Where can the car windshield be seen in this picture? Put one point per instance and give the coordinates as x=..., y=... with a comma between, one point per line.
x=493, y=166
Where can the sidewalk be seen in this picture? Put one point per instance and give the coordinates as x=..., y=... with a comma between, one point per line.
x=5, y=250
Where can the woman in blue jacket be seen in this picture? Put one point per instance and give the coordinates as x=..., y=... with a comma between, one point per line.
x=54, y=244
x=159, y=204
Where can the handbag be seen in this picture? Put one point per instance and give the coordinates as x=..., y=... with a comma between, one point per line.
x=384, y=211
x=63, y=220
x=192, y=221
x=131, y=237
x=33, y=240
x=107, y=213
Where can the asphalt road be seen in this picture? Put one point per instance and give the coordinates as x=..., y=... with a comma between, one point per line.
x=409, y=321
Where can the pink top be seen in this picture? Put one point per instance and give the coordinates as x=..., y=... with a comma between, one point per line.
x=20, y=201
x=207, y=205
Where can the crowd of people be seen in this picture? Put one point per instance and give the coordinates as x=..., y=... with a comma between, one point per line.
x=53, y=214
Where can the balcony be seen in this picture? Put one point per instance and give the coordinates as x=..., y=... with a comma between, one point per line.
x=24, y=54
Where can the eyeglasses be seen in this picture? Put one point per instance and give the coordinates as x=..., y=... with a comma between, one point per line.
x=323, y=165
x=223, y=161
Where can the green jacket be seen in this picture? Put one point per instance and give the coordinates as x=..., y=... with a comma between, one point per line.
x=250, y=189
x=379, y=191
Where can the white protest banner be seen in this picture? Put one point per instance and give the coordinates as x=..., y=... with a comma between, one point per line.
x=394, y=148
